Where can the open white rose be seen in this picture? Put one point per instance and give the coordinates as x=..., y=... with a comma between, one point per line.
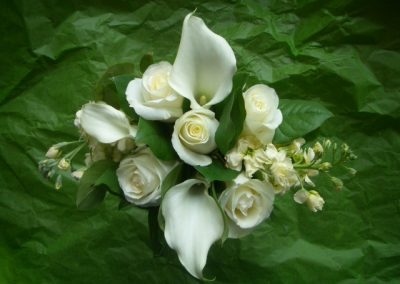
x=262, y=113
x=194, y=136
x=140, y=177
x=247, y=203
x=152, y=97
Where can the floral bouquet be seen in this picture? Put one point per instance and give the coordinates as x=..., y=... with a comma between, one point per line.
x=204, y=148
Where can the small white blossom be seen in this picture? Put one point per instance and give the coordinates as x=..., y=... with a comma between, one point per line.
x=284, y=176
x=52, y=153
x=309, y=156
x=311, y=198
x=64, y=164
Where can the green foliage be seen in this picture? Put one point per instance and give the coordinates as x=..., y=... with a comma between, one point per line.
x=156, y=135
x=121, y=83
x=171, y=179
x=94, y=184
x=232, y=118
x=146, y=61
x=217, y=171
x=299, y=118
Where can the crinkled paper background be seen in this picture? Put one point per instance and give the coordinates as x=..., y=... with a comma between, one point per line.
x=344, y=54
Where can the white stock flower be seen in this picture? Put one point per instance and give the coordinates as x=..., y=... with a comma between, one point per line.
x=104, y=123
x=241, y=153
x=193, y=222
x=152, y=97
x=262, y=113
x=53, y=152
x=204, y=66
x=311, y=198
x=284, y=176
x=247, y=203
x=309, y=155
x=140, y=177
x=194, y=136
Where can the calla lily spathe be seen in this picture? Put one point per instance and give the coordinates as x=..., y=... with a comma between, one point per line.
x=193, y=222
x=204, y=66
x=105, y=123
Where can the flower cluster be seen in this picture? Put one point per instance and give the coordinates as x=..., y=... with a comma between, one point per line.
x=174, y=149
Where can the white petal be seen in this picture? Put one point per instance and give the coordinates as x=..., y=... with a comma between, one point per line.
x=188, y=156
x=193, y=222
x=105, y=123
x=275, y=120
x=204, y=65
x=301, y=196
x=135, y=98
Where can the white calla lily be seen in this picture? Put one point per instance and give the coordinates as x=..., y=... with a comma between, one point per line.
x=204, y=66
x=105, y=123
x=193, y=222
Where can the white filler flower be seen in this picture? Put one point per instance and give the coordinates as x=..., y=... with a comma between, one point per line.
x=247, y=203
x=204, y=66
x=152, y=97
x=140, y=177
x=311, y=198
x=262, y=113
x=194, y=136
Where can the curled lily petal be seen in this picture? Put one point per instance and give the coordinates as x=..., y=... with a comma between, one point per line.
x=204, y=66
x=193, y=222
x=105, y=123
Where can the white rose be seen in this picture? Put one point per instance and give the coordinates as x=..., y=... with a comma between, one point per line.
x=152, y=97
x=311, y=198
x=194, y=136
x=140, y=177
x=247, y=203
x=262, y=113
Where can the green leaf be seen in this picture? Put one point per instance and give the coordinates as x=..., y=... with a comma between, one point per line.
x=146, y=61
x=217, y=171
x=231, y=120
x=155, y=233
x=121, y=82
x=109, y=178
x=171, y=179
x=157, y=136
x=93, y=196
x=299, y=118
x=105, y=89
x=94, y=184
